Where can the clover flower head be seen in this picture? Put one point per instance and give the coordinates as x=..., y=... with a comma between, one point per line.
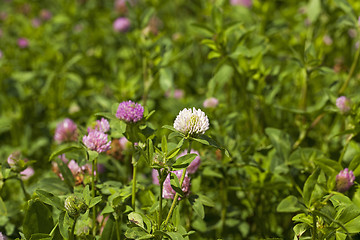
x=23, y=42
x=344, y=180
x=14, y=158
x=169, y=192
x=194, y=165
x=210, y=102
x=102, y=125
x=130, y=111
x=97, y=141
x=245, y=3
x=66, y=131
x=121, y=24
x=343, y=104
x=191, y=121
x=75, y=206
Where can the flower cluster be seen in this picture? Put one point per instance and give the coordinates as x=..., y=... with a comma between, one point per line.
x=343, y=104
x=75, y=206
x=121, y=24
x=102, y=125
x=344, y=180
x=210, y=102
x=169, y=192
x=191, y=122
x=66, y=131
x=130, y=111
x=97, y=141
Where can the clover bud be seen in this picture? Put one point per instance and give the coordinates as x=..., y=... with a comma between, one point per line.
x=75, y=206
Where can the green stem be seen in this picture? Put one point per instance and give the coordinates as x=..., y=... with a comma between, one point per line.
x=117, y=228
x=133, y=184
x=72, y=235
x=27, y=196
x=160, y=200
x=314, y=235
x=93, y=193
x=352, y=69
x=177, y=195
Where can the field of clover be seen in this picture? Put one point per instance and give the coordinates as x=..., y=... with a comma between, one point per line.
x=203, y=119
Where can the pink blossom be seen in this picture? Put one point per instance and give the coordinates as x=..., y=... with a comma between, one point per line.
x=23, y=42
x=344, y=180
x=27, y=173
x=121, y=24
x=245, y=3
x=210, y=102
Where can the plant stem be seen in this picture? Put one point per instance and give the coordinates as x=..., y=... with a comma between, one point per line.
x=72, y=236
x=27, y=196
x=117, y=228
x=177, y=195
x=133, y=184
x=314, y=235
x=352, y=69
x=160, y=200
x=93, y=193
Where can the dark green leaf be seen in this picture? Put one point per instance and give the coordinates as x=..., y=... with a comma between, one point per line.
x=184, y=161
x=50, y=199
x=67, y=147
x=309, y=186
x=95, y=201
x=175, y=184
x=38, y=219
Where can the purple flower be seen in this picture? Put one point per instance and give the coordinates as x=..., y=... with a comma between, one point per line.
x=130, y=111
x=210, y=103
x=14, y=158
x=344, y=180
x=121, y=24
x=169, y=192
x=27, y=173
x=23, y=42
x=45, y=14
x=245, y=3
x=124, y=143
x=102, y=125
x=36, y=22
x=155, y=176
x=66, y=131
x=97, y=141
x=344, y=104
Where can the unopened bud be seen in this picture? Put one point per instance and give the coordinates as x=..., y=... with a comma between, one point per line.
x=75, y=206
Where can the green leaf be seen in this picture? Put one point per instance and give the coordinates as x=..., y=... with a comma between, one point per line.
x=281, y=142
x=137, y=233
x=164, y=145
x=109, y=232
x=175, y=235
x=37, y=219
x=175, y=184
x=206, y=200
x=300, y=229
x=330, y=167
x=197, y=206
x=67, y=147
x=66, y=173
x=50, y=199
x=95, y=201
x=289, y=204
x=137, y=219
x=314, y=10
x=349, y=213
x=340, y=235
x=184, y=161
x=87, y=195
x=353, y=226
x=64, y=225
x=309, y=187
x=3, y=210
x=173, y=153
x=211, y=173
x=40, y=236
x=107, y=115
x=92, y=155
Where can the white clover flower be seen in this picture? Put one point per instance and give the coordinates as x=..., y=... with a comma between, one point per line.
x=191, y=121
